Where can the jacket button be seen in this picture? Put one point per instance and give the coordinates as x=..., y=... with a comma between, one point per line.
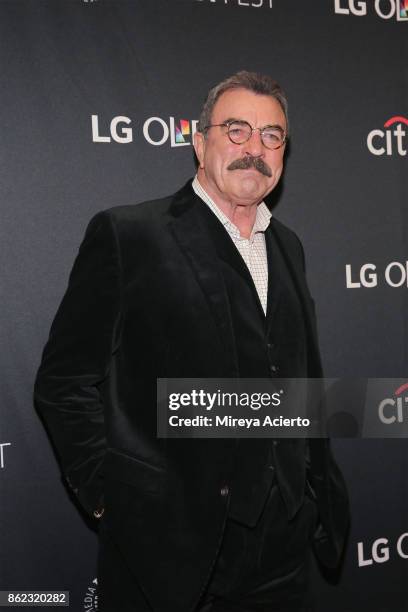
x=99, y=513
x=274, y=368
x=224, y=491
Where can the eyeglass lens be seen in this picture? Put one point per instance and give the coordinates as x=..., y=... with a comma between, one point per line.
x=240, y=132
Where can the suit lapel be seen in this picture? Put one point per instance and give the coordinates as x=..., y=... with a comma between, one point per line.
x=227, y=251
x=191, y=234
x=274, y=287
x=190, y=227
x=299, y=279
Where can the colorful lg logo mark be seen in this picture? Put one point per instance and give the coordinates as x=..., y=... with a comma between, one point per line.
x=180, y=135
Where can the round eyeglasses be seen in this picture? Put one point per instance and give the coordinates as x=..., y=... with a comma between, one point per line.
x=272, y=136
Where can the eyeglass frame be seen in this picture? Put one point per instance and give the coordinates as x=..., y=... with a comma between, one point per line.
x=227, y=124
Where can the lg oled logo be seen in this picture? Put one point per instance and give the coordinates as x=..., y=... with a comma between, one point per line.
x=251, y=3
x=2, y=454
x=379, y=551
x=391, y=140
x=395, y=274
x=391, y=409
x=386, y=9
x=156, y=131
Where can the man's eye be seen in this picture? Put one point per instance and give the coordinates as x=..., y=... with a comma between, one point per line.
x=272, y=136
x=238, y=133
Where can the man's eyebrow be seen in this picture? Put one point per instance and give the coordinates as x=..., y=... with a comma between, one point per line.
x=275, y=126
x=234, y=120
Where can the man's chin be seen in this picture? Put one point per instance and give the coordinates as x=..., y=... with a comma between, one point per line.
x=250, y=189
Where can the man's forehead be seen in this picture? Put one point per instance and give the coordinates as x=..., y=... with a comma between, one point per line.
x=243, y=104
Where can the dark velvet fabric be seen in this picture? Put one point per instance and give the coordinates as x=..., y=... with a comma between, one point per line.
x=265, y=568
x=147, y=298
x=258, y=569
x=267, y=345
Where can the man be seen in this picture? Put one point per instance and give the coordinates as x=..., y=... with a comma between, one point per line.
x=201, y=284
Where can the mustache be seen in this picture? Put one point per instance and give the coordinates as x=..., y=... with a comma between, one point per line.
x=251, y=162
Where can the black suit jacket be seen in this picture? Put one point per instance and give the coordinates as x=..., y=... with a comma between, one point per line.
x=146, y=299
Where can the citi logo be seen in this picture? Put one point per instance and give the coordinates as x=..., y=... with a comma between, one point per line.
x=156, y=131
x=385, y=9
x=391, y=409
x=391, y=140
x=251, y=3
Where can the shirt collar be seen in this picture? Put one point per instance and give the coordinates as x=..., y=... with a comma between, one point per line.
x=262, y=219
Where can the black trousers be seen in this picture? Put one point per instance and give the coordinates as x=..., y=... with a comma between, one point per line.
x=265, y=568
x=260, y=569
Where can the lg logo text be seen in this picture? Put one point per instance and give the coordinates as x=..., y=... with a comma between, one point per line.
x=386, y=9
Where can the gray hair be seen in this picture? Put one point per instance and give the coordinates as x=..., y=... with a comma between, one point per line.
x=252, y=81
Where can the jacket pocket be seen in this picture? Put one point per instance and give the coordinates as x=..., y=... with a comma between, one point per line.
x=133, y=471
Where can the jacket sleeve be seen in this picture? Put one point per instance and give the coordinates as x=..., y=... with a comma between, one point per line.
x=76, y=360
x=326, y=481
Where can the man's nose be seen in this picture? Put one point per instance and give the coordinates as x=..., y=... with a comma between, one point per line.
x=254, y=146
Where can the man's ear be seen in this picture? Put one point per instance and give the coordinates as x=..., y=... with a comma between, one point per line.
x=199, y=147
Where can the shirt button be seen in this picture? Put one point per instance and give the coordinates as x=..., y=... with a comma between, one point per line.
x=224, y=491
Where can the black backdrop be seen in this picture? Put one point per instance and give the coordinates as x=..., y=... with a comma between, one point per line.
x=140, y=67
